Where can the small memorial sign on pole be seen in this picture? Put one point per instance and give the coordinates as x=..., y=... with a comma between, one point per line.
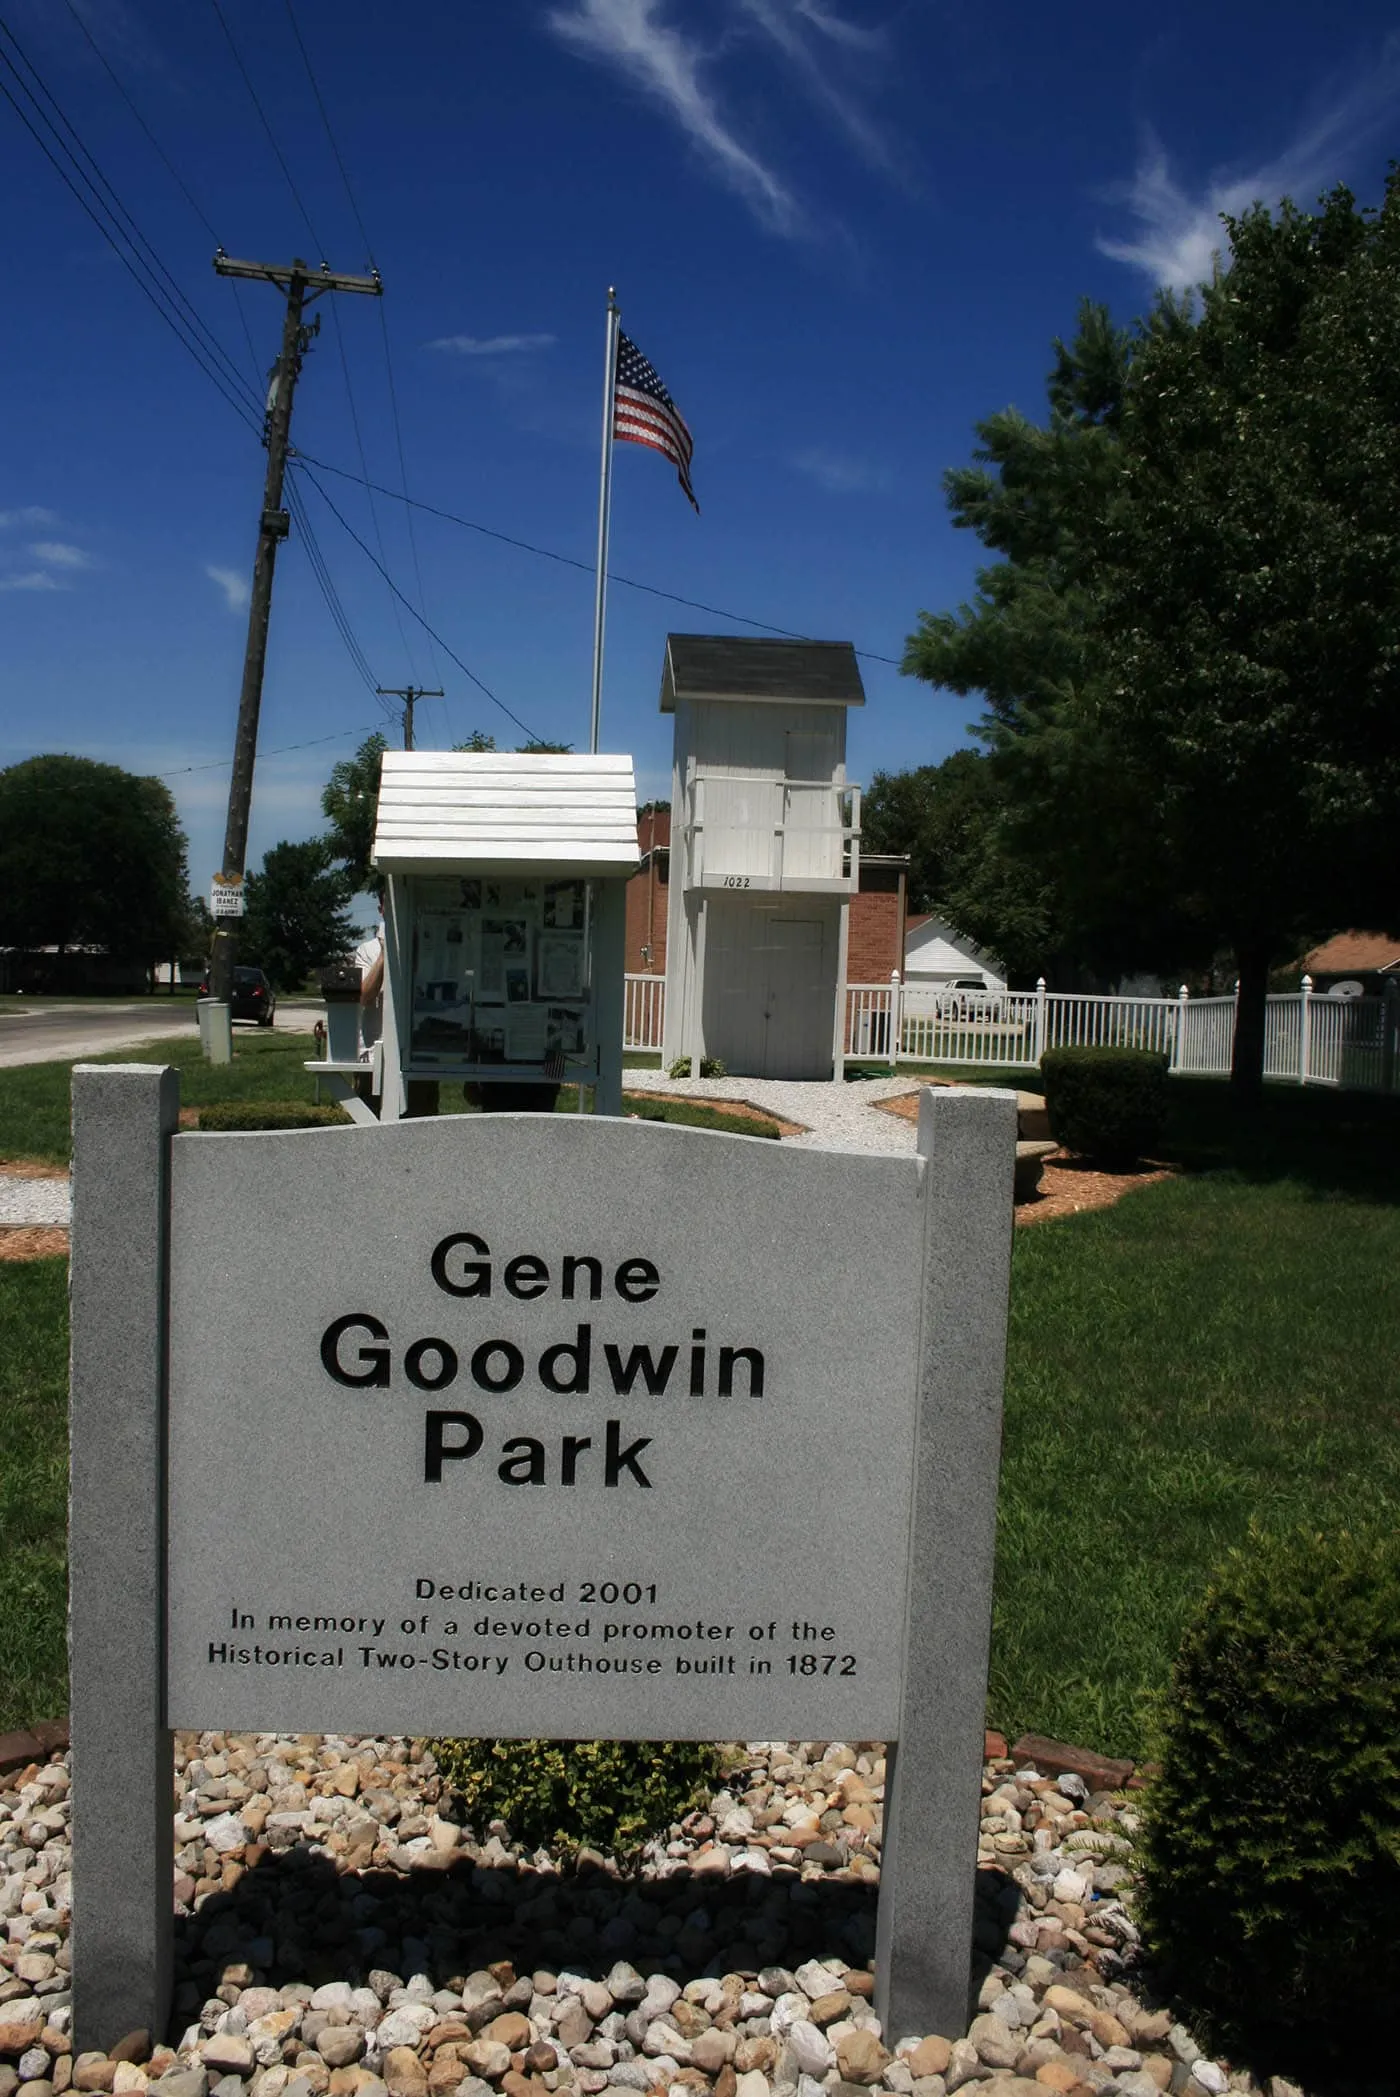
x=582, y=1427
x=227, y=897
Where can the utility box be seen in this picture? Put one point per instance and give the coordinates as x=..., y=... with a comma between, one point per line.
x=504, y=919
x=765, y=853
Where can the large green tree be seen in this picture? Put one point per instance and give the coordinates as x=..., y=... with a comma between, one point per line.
x=297, y=918
x=349, y=804
x=1190, y=648
x=1251, y=605
x=90, y=855
x=949, y=819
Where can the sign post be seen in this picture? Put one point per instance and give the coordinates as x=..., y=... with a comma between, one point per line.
x=639, y=1431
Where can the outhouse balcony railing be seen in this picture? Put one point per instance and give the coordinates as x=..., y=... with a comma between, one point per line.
x=763, y=833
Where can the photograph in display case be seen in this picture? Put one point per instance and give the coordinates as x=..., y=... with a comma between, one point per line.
x=559, y=967
x=500, y=971
x=565, y=905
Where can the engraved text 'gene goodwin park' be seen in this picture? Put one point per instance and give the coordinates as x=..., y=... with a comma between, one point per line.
x=359, y=1351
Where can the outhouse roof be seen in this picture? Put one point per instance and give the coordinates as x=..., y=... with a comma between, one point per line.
x=717, y=666
x=502, y=813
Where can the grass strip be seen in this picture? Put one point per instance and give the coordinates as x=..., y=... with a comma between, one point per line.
x=34, y=1097
x=33, y=1490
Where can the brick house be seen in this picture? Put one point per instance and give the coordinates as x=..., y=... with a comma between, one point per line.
x=648, y=893
x=877, y=920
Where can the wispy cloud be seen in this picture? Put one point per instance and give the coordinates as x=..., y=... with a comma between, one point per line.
x=31, y=579
x=491, y=345
x=798, y=30
x=233, y=585
x=31, y=518
x=1178, y=230
x=669, y=66
x=855, y=35
x=55, y=554
x=841, y=473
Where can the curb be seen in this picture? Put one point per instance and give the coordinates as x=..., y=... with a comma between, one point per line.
x=35, y=1744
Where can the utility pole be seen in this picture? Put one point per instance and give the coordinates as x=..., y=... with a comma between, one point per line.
x=301, y=284
x=409, y=693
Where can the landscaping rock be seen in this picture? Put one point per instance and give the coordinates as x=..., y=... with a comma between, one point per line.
x=458, y=1965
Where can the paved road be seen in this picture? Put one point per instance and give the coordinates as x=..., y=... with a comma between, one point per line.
x=64, y=1033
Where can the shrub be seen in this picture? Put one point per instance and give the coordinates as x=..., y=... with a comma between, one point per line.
x=566, y=1794
x=1108, y=1103
x=710, y=1067
x=1270, y=1844
x=270, y=1114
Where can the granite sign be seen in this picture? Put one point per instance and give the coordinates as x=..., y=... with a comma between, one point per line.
x=533, y=1426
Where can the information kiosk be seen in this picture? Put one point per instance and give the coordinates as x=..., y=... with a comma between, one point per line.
x=503, y=920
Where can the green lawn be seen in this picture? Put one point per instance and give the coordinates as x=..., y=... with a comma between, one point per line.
x=1215, y=1350
x=33, y=1489
x=34, y=1096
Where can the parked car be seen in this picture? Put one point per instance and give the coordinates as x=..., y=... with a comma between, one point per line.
x=967, y=997
x=253, y=996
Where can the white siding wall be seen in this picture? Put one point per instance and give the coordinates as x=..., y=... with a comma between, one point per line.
x=930, y=956
x=767, y=1003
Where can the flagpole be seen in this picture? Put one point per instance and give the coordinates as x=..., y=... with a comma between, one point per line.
x=604, y=514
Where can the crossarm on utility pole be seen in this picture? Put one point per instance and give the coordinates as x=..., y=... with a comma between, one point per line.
x=410, y=695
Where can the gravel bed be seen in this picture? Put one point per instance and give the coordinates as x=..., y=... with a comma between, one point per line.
x=26, y=1203
x=341, y=1933
x=836, y=1117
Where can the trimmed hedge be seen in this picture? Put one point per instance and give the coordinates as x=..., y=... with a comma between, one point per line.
x=1108, y=1103
x=566, y=1795
x=710, y=1067
x=242, y=1114
x=1270, y=1845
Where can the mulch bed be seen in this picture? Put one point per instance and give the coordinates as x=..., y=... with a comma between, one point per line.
x=737, y=1110
x=33, y=1242
x=1068, y=1184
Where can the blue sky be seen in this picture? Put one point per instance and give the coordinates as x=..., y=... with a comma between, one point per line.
x=842, y=230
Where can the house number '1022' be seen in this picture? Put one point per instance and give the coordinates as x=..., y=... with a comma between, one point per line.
x=736, y=880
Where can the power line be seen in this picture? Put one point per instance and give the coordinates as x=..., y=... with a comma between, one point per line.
x=326, y=584
x=267, y=127
x=330, y=135
x=221, y=764
x=109, y=201
x=566, y=560
x=284, y=165
x=447, y=650
x=364, y=468
x=192, y=334
x=155, y=143
x=178, y=179
x=403, y=477
x=358, y=217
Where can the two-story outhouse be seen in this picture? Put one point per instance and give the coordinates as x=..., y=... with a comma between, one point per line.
x=765, y=852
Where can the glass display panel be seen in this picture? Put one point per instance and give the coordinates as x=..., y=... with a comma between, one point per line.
x=500, y=971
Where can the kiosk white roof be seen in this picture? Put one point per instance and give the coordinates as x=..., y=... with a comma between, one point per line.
x=503, y=813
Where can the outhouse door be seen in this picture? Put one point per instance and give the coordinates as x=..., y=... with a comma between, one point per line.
x=768, y=992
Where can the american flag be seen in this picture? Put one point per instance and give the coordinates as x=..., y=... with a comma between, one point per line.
x=644, y=413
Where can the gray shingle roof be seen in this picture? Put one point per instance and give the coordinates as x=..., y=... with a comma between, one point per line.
x=717, y=666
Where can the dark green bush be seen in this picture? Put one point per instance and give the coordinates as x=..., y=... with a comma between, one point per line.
x=710, y=1067
x=1108, y=1103
x=1270, y=1847
x=270, y=1114
x=608, y=1795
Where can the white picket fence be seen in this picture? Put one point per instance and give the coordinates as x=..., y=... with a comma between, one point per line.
x=1353, y=1043
x=643, y=1012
